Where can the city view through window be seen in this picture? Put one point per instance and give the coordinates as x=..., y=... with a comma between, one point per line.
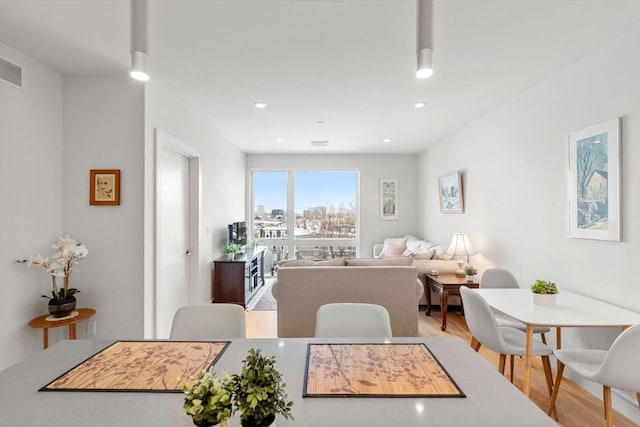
x=306, y=214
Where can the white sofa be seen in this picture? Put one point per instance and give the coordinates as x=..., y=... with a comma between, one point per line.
x=301, y=290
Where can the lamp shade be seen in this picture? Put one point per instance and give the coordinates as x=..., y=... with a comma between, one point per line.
x=460, y=245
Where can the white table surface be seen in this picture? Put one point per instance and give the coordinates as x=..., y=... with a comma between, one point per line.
x=570, y=310
x=491, y=399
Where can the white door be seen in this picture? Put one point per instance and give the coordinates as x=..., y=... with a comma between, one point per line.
x=173, y=250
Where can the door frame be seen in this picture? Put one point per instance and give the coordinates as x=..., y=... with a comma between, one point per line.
x=165, y=141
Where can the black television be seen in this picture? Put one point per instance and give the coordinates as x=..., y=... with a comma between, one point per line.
x=238, y=233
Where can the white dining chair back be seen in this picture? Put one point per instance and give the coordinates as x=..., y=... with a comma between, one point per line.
x=498, y=278
x=503, y=340
x=208, y=321
x=617, y=367
x=352, y=320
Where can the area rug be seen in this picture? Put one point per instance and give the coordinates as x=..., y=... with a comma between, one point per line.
x=140, y=366
x=376, y=370
x=264, y=301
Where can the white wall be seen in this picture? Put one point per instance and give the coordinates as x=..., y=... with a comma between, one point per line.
x=372, y=167
x=222, y=168
x=31, y=191
x=515, y=166
x=104, y=129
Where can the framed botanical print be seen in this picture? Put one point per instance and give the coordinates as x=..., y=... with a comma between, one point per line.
x=104, y=187
x=450, y=193
x=389, y=199
x=594, y=182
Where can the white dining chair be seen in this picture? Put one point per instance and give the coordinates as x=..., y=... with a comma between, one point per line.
x=503, y=340
x=618, y=368
x=352, y=320
x=208, y=321
x=500, y=278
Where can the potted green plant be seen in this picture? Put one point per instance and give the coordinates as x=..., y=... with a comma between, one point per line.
x=208, y=400
x=259, y=391
x=470, y=271
x=231, y=249
x=544, y=292
x=67, y=253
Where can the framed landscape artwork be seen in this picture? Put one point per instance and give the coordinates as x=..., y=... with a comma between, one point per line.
x=594, y=182
x=450, y=193
x=388, y=199
x=104, y=187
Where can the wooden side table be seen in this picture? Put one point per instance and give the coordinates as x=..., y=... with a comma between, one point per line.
x=41, y=322
x=445, y=284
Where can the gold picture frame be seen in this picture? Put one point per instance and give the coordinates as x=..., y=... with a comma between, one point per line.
x=104, y=187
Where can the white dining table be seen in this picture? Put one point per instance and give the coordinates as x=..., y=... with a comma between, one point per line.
x=491, y=400
x=569, y=310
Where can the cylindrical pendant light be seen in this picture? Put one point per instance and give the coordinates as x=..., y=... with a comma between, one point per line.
x=139, y=37
x=424, y=34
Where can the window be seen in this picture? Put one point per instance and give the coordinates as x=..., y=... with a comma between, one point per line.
x=306, y=214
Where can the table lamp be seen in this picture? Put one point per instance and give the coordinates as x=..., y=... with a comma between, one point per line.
x=459, y=248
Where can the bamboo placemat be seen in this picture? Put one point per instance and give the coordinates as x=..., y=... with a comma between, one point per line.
x=376, y=370
x=154, y=366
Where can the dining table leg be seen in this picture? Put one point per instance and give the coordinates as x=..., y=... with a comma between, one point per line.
x=558, y=344
x=527, y=360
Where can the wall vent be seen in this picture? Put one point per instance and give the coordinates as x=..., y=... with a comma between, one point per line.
x=319, y=143
x=10, y=73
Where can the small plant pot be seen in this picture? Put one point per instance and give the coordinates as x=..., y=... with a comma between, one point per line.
x=62, y=307
x=252, y=422
x=544, y=299
x=470, y=278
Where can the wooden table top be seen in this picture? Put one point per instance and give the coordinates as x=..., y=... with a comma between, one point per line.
x=42, y=322
x=450, y=279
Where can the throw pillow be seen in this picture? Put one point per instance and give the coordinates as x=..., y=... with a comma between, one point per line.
x=366, y=262
x=441, y=253
x=390, y=250
x=428, y=254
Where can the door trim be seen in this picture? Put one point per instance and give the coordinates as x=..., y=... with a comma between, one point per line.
x=165, y=141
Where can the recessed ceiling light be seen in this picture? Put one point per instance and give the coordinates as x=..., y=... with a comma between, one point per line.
x=419, y=104
x=386, y=140
x=279, y=140
x=260, y=104
x=319, y=122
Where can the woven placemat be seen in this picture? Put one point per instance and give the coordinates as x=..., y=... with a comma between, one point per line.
x=155, y=366
x=376, y=370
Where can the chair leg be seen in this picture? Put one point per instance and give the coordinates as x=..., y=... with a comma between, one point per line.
x=511, y=367
x=475, y=344
x=503, y=359
x=544, y=339
x=556, y=388
x=638, y=397
x=608, y=412
x=546, y=364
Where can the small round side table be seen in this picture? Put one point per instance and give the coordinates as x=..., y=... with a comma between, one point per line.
x=41, y=322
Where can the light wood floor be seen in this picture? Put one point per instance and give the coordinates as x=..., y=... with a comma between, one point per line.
x=576, y=406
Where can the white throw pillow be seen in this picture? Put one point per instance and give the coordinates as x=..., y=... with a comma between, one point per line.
x=441, y=253
x=390, y=250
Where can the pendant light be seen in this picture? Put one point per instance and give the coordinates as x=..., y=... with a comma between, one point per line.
x=424, y=37
x=139, y=36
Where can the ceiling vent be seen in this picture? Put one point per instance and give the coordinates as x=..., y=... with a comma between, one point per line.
x=10, y=73
x=319, y=143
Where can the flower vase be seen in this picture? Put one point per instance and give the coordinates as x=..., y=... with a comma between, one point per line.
x=62, y=307
x=544, y=299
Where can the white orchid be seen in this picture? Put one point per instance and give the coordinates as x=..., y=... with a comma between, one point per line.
x=68, y=252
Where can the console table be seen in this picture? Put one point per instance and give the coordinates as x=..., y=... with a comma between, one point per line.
x=41, y=322
x=236, y=280
x=445, y=284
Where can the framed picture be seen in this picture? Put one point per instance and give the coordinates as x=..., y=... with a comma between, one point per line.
x=594, y=182
x=450, y=192
x=104, y=187
x=388, y=199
